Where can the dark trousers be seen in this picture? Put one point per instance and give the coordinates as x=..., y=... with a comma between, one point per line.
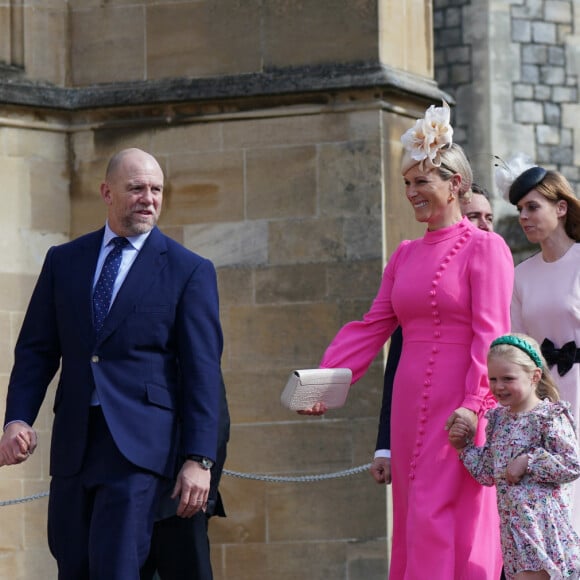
x=100, y=520
x=179, y=550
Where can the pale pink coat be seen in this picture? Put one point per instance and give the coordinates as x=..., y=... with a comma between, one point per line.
x=546, y=304
x=450, y=291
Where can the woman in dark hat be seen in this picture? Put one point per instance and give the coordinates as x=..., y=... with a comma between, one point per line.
x=546, y=298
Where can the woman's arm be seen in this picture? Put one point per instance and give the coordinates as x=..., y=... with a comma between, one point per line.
x=491, y=283
x=358, y=342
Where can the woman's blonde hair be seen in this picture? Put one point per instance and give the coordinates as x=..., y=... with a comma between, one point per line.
x=524, y=351
x=454, y=160
x=555, y=187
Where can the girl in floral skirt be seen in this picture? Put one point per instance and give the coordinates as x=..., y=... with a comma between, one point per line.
x=530, y=455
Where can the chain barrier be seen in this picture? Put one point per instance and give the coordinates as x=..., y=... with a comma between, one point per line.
x=298, y=478
x=24, y=499
x=239, y=475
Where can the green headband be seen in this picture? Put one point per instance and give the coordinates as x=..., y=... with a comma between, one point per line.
x=521, y=344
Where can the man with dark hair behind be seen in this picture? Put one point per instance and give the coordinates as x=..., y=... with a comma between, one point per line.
x=180, y=547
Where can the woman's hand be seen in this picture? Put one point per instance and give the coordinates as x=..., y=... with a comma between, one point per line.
x=381, y=470
x=316, y=409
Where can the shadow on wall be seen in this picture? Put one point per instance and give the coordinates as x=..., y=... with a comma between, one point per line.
x=510, y=230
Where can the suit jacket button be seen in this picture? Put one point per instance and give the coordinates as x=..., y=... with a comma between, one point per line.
x=95, y=358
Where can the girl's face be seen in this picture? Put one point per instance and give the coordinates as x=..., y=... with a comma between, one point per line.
x=434, y=200
x=512, y=385
x=539, y=217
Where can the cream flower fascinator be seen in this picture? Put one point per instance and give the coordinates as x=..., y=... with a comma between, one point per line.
x=428, y=137
x=516, y=176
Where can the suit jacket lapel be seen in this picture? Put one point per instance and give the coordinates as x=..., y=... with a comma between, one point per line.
x=150, y=261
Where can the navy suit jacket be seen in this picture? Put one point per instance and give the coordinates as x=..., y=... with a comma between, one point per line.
x=155, y=363
x=395, y=348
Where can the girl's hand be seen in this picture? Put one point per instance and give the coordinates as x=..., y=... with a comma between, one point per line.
x=17, y=443
x=516, y=469
x=461, y=426
x=381, y=470
x=459, y=434
x=467, y=415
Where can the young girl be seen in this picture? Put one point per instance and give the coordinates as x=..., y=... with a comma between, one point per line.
x=530, y=452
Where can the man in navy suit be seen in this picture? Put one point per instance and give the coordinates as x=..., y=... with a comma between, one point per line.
x=137, y=390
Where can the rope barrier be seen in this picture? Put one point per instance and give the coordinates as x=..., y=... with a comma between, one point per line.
x=239, y=475
x=298, y=478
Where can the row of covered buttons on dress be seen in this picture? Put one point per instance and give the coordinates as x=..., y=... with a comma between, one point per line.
x=435, y=349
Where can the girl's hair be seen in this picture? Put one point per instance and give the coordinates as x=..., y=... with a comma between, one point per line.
x=454, y=160
x=555, y=187
x=519, y=354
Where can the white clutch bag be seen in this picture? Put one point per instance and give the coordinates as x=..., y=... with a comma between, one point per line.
x=309, y=386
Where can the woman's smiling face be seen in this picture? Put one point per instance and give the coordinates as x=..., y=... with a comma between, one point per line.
x=433, y=199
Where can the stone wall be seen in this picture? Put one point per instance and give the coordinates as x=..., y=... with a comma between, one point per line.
x=513, y=68
x=36, y=214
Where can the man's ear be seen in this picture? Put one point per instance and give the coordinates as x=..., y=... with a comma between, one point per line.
x=106, y=193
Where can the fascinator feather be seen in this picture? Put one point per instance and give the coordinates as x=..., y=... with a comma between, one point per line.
x=507, y=172
x=424, y=141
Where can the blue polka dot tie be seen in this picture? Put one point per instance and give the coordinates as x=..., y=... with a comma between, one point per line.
x=104, y=286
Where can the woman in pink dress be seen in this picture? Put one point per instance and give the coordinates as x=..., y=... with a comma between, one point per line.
x=546, y=297
x=450, y=292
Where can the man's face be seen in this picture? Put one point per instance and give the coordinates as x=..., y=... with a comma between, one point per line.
x=134, y=194
x=478, y=211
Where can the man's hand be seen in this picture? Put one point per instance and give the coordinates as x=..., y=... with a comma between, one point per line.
x=381, y=470
x=192, y=487
x=18, y=442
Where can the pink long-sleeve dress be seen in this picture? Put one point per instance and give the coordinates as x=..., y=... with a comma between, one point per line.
x=450, y=291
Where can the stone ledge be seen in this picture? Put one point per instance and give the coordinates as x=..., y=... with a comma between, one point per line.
x=274, y=82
